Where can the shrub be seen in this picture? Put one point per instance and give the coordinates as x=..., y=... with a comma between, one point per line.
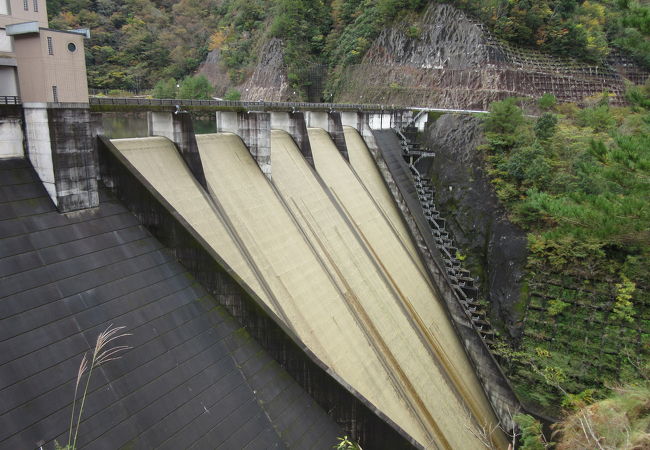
x=232, y=95
x=198, y=88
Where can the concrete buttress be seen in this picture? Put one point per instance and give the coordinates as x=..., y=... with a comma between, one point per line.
x=178, y=128
x=295, y=124
x=60, y=148
x=254, y=128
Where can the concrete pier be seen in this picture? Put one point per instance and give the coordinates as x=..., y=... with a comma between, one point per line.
x=295, y=124
x=332, y=123
x=60, y=148
x=335, y=129
x=11, y=132
x=178, y=128
x=255, y=130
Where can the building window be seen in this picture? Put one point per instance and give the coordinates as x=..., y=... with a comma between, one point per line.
x=72, y=47
x=50, y=47
x=35, y=5
x=25, y=5
x=55, y=93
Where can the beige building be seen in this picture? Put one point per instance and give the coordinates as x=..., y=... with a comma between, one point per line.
x=38, y=64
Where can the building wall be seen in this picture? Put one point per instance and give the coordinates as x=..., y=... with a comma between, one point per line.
x=6, y=45
x=39, y=71
x=11, y=131
x=13, y=11
x=8, y=81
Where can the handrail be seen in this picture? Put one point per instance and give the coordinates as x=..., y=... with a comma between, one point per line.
x=262, y=105
x=241, y=104
x=10, y=100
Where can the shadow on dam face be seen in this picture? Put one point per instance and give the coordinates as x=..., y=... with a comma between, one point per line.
x=326, y=255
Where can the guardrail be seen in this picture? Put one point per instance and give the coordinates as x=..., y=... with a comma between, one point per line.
x=243, y=104
x=281, y=106
x=9, y=100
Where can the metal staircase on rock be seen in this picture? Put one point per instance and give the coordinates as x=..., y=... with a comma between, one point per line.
x=461, y=280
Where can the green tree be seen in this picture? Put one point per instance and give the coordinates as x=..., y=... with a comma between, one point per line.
x=531, y=433
x=197, y=87
x=165, y=89
x=545, y=126
x=504, y=118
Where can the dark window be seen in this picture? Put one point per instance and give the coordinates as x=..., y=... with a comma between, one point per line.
x=35, y=5
x=25, y=5
x=55, y=93
x=50, y=47
x=72, y=47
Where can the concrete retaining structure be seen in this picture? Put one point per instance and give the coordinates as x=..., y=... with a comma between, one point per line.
x=60, y=148
x=11, y=132
x=75, y=162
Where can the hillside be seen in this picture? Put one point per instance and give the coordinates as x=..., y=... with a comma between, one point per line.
x=136, y=43
x=552, y=212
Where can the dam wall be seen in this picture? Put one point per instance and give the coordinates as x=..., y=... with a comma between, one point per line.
x=190, y=246
x=295, y=230
x=280, y=236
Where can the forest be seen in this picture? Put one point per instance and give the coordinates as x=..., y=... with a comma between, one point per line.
x=136, y=43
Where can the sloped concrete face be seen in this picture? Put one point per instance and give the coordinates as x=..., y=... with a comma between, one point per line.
x=385, y=149
x=323, y=258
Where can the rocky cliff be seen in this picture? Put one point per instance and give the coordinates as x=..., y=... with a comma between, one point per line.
x=447, y=59
x=268, y=80
x=495, y=248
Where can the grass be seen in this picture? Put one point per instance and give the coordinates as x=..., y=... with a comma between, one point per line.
x=101, y=354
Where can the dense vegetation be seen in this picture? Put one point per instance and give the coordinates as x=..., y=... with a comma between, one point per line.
x=583, y=29
x=578, y=180
x=136, y=43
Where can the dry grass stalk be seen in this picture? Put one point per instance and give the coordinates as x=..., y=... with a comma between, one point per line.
x=101, y=355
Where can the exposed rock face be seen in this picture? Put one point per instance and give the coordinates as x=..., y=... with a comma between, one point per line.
x=448, y=39
x=455, y=62
x=269, y=80
x=496, y=249
x=215, y=72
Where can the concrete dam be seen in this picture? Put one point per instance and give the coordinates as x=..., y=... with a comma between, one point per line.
x=300, y=253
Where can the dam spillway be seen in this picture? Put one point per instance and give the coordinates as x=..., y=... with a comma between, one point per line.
x=325, y=251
